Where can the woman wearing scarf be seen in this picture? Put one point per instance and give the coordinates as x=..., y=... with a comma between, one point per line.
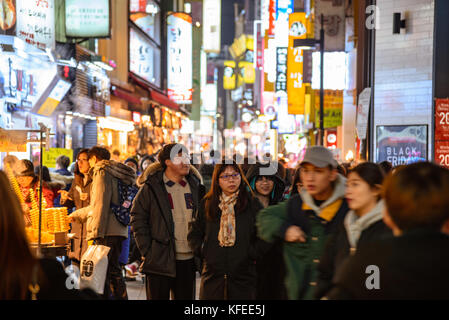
x=362, y=224
x=223, y=235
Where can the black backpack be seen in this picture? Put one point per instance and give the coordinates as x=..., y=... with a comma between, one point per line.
x=126, y=195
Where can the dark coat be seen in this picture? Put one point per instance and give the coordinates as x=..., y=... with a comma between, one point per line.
x=338, y=249
x=230, y=269
x=152, y=220
x=79, y=243
x=413, y=266
x=270, y=267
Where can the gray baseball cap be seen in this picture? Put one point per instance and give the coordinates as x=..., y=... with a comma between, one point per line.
x=320, y=157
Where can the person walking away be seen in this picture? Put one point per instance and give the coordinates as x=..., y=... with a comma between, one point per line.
x=306, y=221
x=169, y=194
x=363, y=223
x=102, y=225
x=269, y=189
x=78, y=197
x=413, y=263
x=223, y=235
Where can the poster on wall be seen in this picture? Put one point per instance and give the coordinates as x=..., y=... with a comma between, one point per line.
x=87, y=18
x=8, y=17
x=36, y=22
x=442, y=153
x=442, y=119
x=179, y=50
x=401, y=145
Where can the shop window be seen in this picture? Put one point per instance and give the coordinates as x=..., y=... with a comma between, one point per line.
x=144, y=58
x=146, y=14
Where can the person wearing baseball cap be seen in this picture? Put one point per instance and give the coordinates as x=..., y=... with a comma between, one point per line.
x=306, y=220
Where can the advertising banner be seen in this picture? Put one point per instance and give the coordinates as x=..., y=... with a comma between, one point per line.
x=8, y=17
x=87, y=18
x=295, y=66
x=36, y=22
x=333, y=108
x=442, y=119
x=179, y=49
x=142, y=57
x=401, y=144
x=13, y=140
x=50, y=156
x=212, y=26
x=363, y=112
x=442, y=153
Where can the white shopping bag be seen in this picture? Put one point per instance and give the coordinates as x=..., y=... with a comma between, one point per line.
x=94, y=266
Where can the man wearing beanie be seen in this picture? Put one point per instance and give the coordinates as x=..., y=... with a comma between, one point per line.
x=306, y=221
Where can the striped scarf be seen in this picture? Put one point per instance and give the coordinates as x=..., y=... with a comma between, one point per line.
x=226, y=236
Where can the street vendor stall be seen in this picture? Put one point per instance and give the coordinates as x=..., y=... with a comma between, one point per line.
x=47, y=228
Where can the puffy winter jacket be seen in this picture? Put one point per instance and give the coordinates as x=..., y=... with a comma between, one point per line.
x=152, y=220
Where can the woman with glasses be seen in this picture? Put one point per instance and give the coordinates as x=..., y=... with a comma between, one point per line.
x=269, y=187
x=223, y=235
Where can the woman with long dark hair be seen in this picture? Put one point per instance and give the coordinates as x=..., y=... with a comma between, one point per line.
x=223, y=235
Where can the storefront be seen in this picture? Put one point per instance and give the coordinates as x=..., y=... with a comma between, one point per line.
x=30, y=89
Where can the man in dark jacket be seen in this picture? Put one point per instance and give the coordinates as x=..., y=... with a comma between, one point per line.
x=413, y=264
x=170, y=192
x=102, y=225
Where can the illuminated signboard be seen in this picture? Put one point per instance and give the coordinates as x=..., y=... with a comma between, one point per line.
x=335, y=69
x=281, y=71
x=36, y=22
x=295, y=69
x=87, y=18
x=179, y=50
x=212, y=26
x=144, y=58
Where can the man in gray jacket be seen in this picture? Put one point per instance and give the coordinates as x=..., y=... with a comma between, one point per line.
x=102, y=225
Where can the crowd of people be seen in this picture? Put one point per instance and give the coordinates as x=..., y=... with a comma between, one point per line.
x=311, y=233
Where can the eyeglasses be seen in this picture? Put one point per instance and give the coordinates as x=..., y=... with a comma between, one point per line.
x=229, y=177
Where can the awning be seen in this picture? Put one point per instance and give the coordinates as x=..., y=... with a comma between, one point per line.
x=156, y=96
x=122, y=94
x=164, y=100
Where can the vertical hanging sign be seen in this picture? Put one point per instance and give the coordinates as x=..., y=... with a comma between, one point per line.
x=295, y=67
x=179, y=45
x=281, y=72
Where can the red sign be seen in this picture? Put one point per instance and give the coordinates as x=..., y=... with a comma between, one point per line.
x=331, y=139
x=442, y=119
x=260, y=48
x=272, y=11
x=442, y=153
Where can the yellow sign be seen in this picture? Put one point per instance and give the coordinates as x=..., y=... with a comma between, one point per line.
x=13, y=140
x=238, y=47
x=248, y=72
x=49, y=159
x=295, y=64
x=48, y=107
x=229, y=75
x=333, y=108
